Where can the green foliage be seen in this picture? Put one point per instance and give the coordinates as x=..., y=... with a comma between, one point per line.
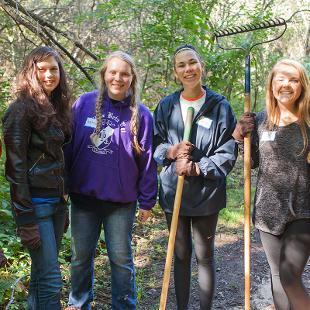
x=150, y=30
x=4, y=92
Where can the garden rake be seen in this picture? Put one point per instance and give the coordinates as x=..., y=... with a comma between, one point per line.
x=247, y=140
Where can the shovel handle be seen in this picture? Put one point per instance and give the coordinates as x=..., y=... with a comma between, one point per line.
x=175, y=217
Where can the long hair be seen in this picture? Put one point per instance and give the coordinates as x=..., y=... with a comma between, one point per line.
x=134, y=99
x=302, y=103
x=43, y=109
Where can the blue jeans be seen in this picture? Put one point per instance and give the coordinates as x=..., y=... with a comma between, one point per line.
x=46, y=282
x=117, y=222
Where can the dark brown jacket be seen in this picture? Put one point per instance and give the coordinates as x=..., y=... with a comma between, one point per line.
x=34, y=161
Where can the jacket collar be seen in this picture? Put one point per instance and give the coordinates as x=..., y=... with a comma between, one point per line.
x=212, y=99
x=117, y=104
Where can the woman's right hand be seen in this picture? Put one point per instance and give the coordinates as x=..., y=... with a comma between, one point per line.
x=244, y=126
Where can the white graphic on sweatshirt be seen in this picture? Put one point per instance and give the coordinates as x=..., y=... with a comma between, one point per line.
x=122, y=127
x=103, y=137
x=101, y=142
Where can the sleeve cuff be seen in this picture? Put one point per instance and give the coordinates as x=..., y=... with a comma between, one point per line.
x=146, y=207
x=160, y=154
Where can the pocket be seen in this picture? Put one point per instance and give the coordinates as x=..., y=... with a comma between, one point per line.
x=30, y=171
x=46, y=175
x=44, y=181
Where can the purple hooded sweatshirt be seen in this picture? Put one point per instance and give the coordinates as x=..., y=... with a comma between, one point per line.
x=107, y=168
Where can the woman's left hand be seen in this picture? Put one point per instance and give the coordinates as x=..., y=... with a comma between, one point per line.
x=144, y=215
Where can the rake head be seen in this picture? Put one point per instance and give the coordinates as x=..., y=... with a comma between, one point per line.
x=247, y=45
x=250, y=27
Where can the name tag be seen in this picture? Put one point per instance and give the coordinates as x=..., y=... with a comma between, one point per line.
x=268, y=136
x=90, y=122
x=205, y=122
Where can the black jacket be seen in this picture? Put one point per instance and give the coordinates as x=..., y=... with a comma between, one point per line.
x=215, y=152
x=34, y=161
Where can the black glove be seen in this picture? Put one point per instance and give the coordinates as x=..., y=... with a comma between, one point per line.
x=244, y=126
x=183, y=148
x=30, y=236
x=2, y=259
x=186, y=167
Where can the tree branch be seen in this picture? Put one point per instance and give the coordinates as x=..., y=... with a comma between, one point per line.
x=44, y=23
x=46, y=36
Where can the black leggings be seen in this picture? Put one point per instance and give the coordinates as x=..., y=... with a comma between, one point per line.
x=287, y=255
x=203, y=233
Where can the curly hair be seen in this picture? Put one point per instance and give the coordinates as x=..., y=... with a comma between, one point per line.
x=44, y=109
x=134, y=87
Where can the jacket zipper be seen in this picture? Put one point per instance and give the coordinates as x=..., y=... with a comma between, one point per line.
x=36, y=162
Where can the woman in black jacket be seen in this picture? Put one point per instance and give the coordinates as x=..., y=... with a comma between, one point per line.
x=205, y=161
x=35, y=127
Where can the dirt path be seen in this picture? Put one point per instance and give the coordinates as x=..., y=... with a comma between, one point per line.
x=150, y=248
x=229, y=269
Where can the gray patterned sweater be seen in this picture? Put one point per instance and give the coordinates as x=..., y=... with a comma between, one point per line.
x=283, y=184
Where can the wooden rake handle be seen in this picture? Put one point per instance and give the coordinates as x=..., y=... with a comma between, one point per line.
x=175, y=217
x=247, y=191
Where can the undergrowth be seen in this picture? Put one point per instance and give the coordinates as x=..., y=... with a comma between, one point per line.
x=149, y=245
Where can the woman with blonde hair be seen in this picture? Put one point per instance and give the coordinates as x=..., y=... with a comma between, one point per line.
x=280, y=148
x=110, y=169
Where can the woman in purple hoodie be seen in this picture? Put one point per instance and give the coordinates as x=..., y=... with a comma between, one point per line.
x=110, y=169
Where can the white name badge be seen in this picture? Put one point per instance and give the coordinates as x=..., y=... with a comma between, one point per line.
x=268, y=136
x=90, y=122
x=205, y=122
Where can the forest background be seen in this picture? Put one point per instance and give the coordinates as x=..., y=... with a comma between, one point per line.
x=84, y=32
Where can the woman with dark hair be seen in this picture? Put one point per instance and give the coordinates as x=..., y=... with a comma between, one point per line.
x=110, y=169
x=280, y=149
x=35, y=126
x=205, y=161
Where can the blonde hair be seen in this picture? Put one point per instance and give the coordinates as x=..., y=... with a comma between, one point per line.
x=302, y=104
x=134, y=92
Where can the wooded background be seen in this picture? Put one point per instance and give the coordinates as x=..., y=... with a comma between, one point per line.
x=84, y=32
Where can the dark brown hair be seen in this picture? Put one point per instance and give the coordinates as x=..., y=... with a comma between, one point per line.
x=44, y=110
